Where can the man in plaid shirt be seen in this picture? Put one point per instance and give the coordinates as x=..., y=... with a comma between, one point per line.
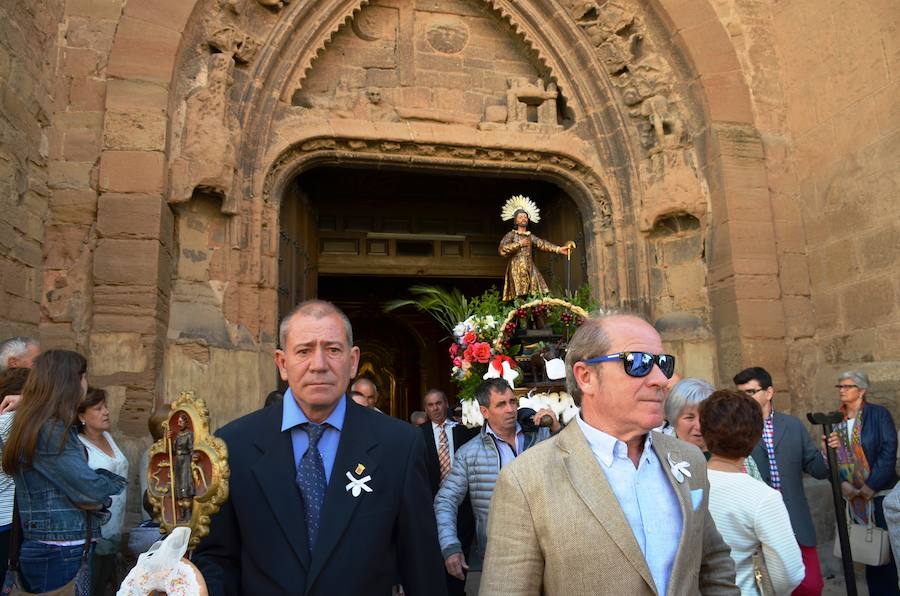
x=783, y=453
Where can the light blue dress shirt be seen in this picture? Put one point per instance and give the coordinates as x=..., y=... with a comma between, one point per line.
x=291, y=419
x=646, y=497
x=506, y=451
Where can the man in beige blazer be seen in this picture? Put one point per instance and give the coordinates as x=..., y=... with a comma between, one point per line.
x=606, y=506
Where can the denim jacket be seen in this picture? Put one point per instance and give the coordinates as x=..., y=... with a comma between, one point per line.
x=49, y=491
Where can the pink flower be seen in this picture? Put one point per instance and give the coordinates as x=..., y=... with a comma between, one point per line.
x=482, y=352
x=457, y=362
x=453, y=350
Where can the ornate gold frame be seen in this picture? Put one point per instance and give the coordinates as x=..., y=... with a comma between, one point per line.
x=210, y=458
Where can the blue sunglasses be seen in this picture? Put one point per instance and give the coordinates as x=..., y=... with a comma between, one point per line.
x=639, y=364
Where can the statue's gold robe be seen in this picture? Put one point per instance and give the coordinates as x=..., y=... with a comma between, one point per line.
x=522, y=276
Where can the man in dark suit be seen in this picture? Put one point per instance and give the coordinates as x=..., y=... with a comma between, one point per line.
x=783, y=453
x=442, y=438
x=325, y=496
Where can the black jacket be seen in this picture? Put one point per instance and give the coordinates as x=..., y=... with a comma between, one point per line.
x=257, y=542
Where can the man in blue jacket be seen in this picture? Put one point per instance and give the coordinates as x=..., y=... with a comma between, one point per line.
x=475, y=469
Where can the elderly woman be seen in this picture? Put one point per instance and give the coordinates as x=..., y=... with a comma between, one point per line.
x=750, y=515
x=866, y=444
x=682, y=405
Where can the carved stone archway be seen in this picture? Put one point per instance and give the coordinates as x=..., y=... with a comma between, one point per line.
x=579, y=48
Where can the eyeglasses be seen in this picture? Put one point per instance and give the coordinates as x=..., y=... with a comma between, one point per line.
x=639, y=364
x=752, y=392
x=847, y=387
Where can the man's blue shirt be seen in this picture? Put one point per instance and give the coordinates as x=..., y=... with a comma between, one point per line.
x=292, y=417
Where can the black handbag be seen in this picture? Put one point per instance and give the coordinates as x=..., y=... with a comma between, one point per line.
x=80, y=585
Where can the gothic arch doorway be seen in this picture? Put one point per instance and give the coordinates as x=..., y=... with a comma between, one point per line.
x=362, y=236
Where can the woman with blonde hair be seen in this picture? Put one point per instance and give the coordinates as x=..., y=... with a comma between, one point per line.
x=57, y=492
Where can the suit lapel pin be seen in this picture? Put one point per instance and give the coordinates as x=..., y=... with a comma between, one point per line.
x=357, y=485
x=360, y=469
x=680, y=469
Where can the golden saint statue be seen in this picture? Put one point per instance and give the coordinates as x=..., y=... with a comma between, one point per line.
x=522, y=276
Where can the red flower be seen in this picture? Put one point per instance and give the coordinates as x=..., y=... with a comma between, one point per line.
x=482, y=352
x=453, y=350
x=469, y=354
x=470, y=338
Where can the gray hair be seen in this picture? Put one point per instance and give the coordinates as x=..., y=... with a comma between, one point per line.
x=15, y=347
x=859, y=378
x=417, y=415
x=317, y=309
x=495, y=385
x=686, y=393
x=590, y=340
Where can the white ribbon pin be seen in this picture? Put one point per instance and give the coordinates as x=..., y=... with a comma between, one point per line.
x=357, y=485
x=679, y=470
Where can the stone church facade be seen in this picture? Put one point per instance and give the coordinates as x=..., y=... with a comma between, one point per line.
x=731, y=167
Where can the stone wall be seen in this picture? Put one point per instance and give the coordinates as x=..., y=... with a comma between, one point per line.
x=825, y=90
x=29, y=58
x=841, y=80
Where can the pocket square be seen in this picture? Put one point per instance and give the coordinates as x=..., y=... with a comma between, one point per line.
x=696, y=498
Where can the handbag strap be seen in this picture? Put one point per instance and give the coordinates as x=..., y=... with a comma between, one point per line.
x=15, y=538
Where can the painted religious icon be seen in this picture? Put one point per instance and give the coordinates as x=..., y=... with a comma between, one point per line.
x=522, y=275
x=188, y=470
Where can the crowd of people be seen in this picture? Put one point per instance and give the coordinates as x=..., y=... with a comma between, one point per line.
x=659, y=485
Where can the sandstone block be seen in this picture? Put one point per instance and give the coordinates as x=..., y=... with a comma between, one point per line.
x=142, y=131
x=131, y=171
x=143, y=50
x=87, y=94
x=69, y=174
x=880, y=249
x=171, y=14
x=22, y=310
x=826, y=310
x=83, y=62
x=710, y=48
x=799, y=317
x=794, y=275
x=65, y=245
x=132, y=216
x=128, y=262
x=96, y=34
x=117, y=352
x=73, y=206
x=81, y=145
x=840, y=263
x=868, y=303
x=97, y=9
x=141, y=96
x=728, y=97
x=761, y=319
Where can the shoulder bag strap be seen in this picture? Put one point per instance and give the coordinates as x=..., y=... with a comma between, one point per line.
x=15, y=537
x=89, y=535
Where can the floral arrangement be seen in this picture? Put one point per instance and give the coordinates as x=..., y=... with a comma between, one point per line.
x=481, y=329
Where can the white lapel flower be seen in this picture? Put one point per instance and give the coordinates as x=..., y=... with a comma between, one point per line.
x=357, y=485
x=680, y=469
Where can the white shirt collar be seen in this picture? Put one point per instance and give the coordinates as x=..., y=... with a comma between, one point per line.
x=447, y=424
x=606, y=446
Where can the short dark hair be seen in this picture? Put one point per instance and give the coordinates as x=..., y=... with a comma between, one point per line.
x=93, y=397
x=435, y=392
x=12, y=380
x=731, y=423
x=754, y=373
x=495, y=385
